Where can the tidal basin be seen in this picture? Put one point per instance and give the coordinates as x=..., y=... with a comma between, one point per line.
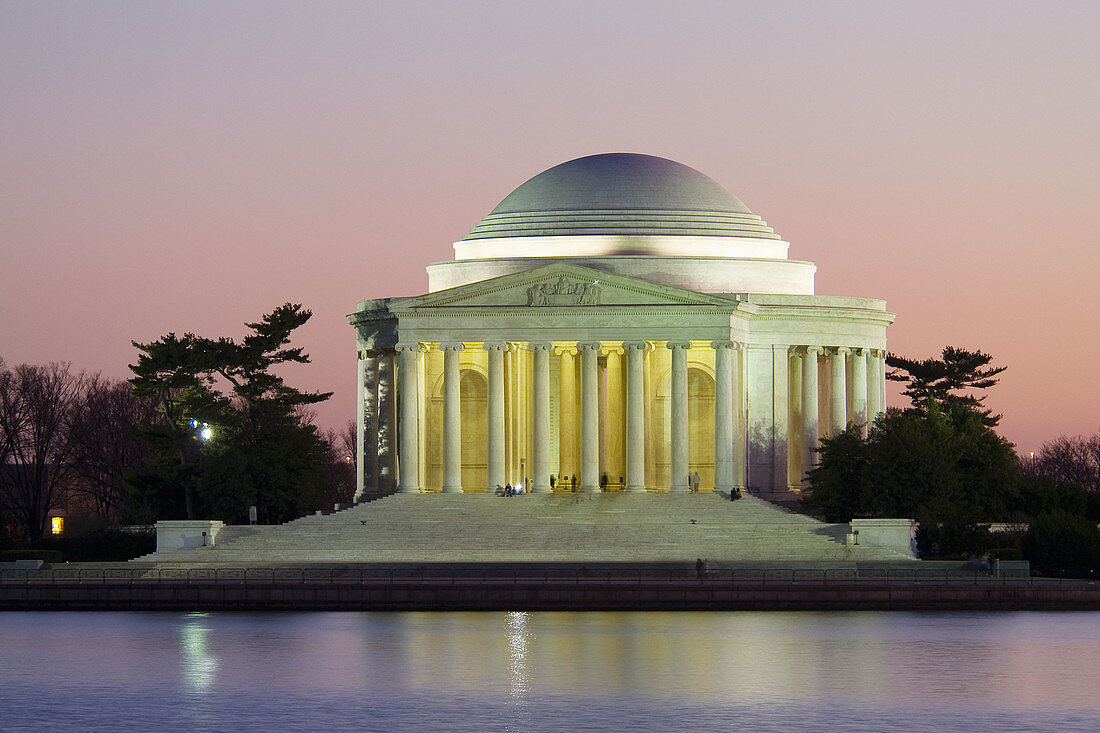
x=859, y=671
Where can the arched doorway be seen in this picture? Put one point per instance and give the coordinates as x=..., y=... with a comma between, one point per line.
x=474, y=389
x=473, y=406
x=701, y=426
x=700, y=414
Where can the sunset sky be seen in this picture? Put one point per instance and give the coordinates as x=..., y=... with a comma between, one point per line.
x=188, y=166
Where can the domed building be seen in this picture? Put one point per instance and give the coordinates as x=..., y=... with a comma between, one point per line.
x=619, y=322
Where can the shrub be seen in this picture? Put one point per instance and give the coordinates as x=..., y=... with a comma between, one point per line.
x=43, y=555
x=103, y=545
x=948, y=531
x=1006, y=553
x=1063, y=545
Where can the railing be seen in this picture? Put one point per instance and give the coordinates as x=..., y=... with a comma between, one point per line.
x=504, y=574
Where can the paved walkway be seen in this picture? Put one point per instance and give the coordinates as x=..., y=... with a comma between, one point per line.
x=542, y=528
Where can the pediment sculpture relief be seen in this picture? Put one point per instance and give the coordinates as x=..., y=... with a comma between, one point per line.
x=564, y=292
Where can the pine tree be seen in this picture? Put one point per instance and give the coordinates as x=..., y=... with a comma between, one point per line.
x=233, y=433
x=948, y=380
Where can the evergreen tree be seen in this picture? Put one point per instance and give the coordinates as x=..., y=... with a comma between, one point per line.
x=949, y=379
x=943, y=467
x=233, y=433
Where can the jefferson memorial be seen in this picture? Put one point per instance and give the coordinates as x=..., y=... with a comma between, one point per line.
x=618, y=323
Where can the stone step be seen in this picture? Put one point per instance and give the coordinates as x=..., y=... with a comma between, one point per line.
x=556, y=527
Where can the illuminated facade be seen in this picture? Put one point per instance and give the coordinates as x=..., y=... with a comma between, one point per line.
x=622, y=320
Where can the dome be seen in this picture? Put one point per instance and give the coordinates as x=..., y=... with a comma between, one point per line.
x=634, y=215
x=621, y=194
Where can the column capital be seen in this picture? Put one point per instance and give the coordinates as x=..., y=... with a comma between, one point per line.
x=838, y=350
x=673, y=345
x=495, y=346
x=593, y=345
x=414, y=346
x=726, y=343
x=540, y=346
x=859, y=351
x=563, y=350
x=807, y=350
x=634, y=345
x=451, y=346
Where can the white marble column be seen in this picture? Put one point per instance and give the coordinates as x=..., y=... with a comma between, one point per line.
x=567, y=419
x=882, y=380
x=875, y=379
x=678, y=433
x=781, y=417
x=408, y=451
x=590, y=417
x=614, y=451
x=724, y=442
x=839, y=403
x=452, y=419
x=388, y=446
x=367, y=398
x=370, y=424
x=739, y=366
x=859, y=388
x=495, y=422
x=810, y=409
x=540, y=423
x=635, y=417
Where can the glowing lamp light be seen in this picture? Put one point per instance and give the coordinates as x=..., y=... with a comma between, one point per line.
x=57, y=525
x=207, y=432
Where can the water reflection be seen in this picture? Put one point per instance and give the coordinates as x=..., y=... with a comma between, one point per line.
x=199, y=665
x=518, y=639
x=553, y=671
x=758, y=657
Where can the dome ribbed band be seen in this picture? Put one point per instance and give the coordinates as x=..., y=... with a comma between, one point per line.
x=619, y=222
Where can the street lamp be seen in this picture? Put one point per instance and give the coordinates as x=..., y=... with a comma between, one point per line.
x=203, y=430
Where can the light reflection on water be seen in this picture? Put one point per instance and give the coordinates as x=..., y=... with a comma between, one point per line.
x=548, y=671
x=199, y=667
x=518, y=636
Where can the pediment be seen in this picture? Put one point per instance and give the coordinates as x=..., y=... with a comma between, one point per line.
x=561, y=286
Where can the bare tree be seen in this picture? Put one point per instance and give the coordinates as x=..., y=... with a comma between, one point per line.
x=106, y=446
x=38, y=406
x=340, y=479
x=347, y=441
x=1072, y=461
x=6, y=379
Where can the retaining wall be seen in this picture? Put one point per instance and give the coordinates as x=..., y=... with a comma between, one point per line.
x=485, y=594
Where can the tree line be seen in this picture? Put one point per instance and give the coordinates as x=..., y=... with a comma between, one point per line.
x=205, y=428
x=940, y=461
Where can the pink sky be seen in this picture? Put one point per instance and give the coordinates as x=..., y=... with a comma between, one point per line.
x=188, y=166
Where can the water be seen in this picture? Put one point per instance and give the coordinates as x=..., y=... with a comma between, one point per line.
x=550, y=671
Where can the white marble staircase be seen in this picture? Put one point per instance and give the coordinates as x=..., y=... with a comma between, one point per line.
x=541, y=528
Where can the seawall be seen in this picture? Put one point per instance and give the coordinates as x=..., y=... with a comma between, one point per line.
x=303, y=590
